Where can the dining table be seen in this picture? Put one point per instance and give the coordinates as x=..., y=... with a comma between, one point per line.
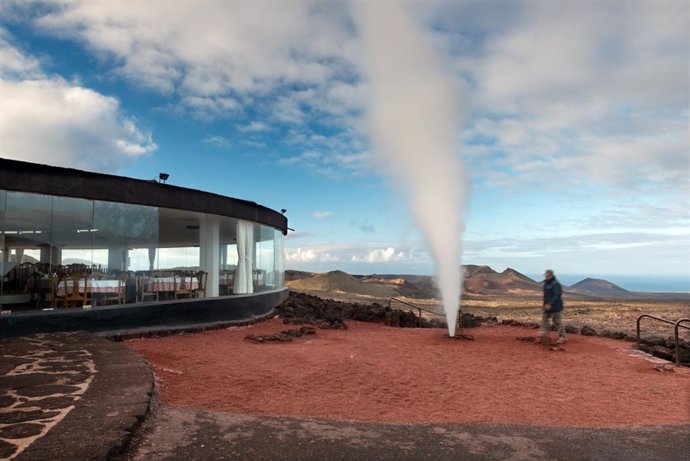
x=92, y=286
x=171, y=283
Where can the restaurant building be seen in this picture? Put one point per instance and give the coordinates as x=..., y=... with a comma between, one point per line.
x=97, y=252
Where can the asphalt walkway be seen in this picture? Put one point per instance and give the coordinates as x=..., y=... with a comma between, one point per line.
x=182, y=433
x=70, y=396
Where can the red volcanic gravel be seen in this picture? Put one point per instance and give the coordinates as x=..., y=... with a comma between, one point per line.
x=381, y=374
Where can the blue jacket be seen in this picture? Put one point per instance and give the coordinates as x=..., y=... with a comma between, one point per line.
x=553, y=295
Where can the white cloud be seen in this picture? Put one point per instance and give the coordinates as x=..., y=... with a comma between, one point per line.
x=290, y=61
x=14, y=63
x=308, y=255
x=209, y=107
x=318, y=215
x=254, y=144
x=582, y=94
x=253, y=127
x=208, y=48
x=328, y=162
x=46, y=119
x=308, y=157
x=220, y=142
x=378, y=255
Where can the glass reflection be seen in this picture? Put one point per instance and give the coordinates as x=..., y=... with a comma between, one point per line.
x=115, y=253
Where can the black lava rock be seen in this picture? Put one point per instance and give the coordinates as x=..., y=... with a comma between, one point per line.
x=588, y=331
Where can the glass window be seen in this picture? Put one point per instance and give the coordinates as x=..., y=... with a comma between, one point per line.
x=278, y=263
x=185, y=258
x=26, y=226
x=120, y=227
x=269, y=259
x=227, y=237
x=3, y=251
x=52, y=234
x=72, y=231
x=264, y=275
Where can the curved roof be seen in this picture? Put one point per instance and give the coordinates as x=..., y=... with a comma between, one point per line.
x=44, y=179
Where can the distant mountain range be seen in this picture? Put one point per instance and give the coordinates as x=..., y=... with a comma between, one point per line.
x=477, y=281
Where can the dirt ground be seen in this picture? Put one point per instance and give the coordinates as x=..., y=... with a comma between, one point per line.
x=604, y=314
x=601, y=314
x=375, y=373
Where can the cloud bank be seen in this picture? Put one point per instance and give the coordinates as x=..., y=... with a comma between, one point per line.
x=46, y=119
x=594, y=94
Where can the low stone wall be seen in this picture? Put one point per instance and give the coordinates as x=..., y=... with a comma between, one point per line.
x=183, y=313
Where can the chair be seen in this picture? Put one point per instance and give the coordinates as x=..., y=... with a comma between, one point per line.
x=26, y=271
x=77, y=282
x=201, y=277
x=164, y=290
x=54, y=282
x=98, y=275
x=228, y=280
x=118, y=296
x=77, y=268
x=143, y=289
x=183, y=285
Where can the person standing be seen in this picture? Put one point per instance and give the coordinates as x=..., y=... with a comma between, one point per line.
x=552, y=308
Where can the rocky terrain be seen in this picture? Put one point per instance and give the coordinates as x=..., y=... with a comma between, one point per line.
x=593, y=306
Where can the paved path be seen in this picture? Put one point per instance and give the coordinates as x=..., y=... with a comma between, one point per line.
x=69, y=396
x=180, y=433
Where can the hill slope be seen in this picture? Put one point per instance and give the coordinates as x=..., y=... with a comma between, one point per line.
x=339, y=281
x=484, y=280
x=599, y=288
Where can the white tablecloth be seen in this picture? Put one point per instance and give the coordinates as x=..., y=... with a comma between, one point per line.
x=92, y=286
x=168, y=283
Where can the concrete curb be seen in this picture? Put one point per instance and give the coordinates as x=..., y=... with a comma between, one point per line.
x=123, y=335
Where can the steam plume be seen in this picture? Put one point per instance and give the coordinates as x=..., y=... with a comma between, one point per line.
x=414, y=121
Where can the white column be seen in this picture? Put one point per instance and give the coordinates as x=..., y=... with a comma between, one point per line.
x=152, y=258
x=224, y=257
x=209, y=256
x=51, y=254
x=117, y=258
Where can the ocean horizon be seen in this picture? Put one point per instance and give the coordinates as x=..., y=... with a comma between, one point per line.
x=642, y=283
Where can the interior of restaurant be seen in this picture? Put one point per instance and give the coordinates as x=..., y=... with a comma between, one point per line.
x=58, y=252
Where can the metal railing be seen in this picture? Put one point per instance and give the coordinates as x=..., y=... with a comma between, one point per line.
x=676, y=325
x=414, y=306
x=675, y=333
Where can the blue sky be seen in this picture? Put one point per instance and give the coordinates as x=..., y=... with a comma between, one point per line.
x=573, y=128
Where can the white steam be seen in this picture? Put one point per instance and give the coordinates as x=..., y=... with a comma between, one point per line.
x=414, y=117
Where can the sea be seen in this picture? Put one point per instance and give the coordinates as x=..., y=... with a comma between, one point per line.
x=643, y=283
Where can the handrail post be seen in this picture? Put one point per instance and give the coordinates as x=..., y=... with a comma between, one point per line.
x=676, y=325
x=675, y=332
x=638, y=329
x=675, y=351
